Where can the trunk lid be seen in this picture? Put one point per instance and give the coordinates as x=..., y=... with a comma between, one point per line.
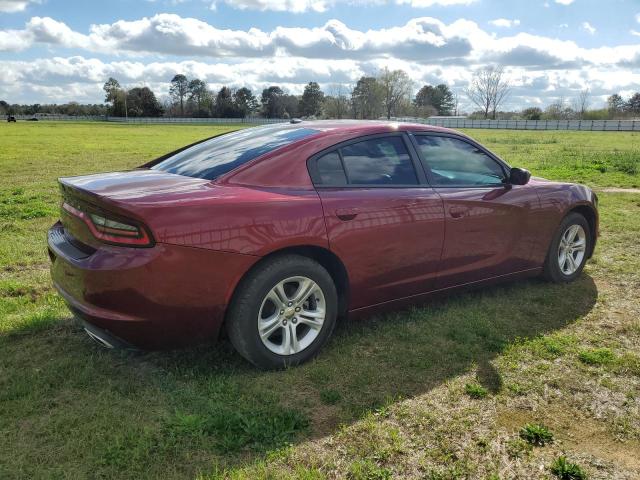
x=123, y=194
x=133, y=186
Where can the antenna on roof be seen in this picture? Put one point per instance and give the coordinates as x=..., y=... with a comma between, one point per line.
x=295, y=120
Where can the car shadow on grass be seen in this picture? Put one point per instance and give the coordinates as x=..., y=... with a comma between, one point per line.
x=188, y=410
x=372, y=362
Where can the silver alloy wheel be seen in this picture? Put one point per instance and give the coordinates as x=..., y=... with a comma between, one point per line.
x=291, y=315
x=571, y=251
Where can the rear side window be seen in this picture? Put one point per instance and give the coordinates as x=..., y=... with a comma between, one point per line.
x=330, y=169
x=377, y=161
x=220, y=155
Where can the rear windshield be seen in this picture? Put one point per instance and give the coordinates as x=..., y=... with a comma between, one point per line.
x=220, y=155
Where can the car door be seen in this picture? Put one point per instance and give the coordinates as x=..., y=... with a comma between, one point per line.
x=489, y=227
x=383, y=221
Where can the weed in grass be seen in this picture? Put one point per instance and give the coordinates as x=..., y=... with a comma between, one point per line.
x=329, y=396
x=628, y=363
x=536, y=434
x=475, y=390
x=257, y=428
x=565, y=470
x=516, y=389
x=518, y=448
x=552, y=346
x=597, y=356
x=453, y=471
x=628, y=163
x=368, y=470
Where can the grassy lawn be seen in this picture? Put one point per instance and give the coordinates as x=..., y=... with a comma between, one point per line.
x=496, y=383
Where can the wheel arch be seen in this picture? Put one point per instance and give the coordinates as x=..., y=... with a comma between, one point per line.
x=325, y=257
x=590, y=215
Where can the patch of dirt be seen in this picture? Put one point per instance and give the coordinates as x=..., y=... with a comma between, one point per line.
x=325, y=419
x=619, y=190
x=576, y=432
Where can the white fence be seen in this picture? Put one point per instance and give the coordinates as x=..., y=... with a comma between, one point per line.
x=589, y=125
x=104, y=118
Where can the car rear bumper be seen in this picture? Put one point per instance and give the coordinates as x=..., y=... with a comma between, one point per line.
x=160, y=297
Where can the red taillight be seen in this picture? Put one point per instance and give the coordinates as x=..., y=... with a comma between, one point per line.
x=111, y=230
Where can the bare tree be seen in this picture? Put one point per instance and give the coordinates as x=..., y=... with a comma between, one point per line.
x=559, y=110
x=582, y=102
x=488, y=89
x=336, y=103
x=396, y=87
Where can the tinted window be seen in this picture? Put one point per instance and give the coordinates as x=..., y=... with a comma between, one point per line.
x=330, y=169
x=379, y=161
x=217, y=156
x=455, y=162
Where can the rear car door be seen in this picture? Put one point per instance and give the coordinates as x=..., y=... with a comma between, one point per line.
x=383, y=220
x=489, y=227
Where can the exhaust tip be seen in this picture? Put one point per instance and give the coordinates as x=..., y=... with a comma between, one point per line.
x=105, y=338
x=99, y=340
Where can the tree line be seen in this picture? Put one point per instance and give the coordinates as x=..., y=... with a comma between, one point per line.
x=388, y=94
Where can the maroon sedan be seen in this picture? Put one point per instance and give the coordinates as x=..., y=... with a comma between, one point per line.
x=273, y=232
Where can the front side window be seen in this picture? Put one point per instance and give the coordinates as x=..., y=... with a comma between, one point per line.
x=456, y=162
x=220, y=155
x=378, y=161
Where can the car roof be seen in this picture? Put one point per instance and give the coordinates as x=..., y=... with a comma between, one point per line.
x=365, y=126
x=276, y=168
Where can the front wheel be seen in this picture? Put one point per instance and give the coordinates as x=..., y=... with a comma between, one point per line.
x=568, y=250
x=283, y=312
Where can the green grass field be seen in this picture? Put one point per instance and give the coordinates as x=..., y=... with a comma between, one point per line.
x=496, y=383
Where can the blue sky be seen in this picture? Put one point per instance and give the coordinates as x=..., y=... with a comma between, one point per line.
x=59, y=51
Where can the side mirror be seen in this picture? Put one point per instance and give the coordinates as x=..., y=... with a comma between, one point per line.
x=519, y=176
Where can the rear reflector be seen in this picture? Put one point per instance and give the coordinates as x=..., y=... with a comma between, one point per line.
x=111, y=230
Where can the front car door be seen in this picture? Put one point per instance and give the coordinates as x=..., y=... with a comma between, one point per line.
x=383, y=221
x=489, y=226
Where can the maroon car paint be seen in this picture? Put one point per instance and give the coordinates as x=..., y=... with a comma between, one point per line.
x=402, y=258
x=490, y=232
x=395, y=243
x=151, y=297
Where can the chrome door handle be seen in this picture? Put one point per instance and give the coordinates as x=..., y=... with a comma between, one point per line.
x=458, y=212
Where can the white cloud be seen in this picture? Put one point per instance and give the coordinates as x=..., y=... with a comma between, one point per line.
x=424, y=39
x=432, y=3
x=60, y=79
x=589, y=28
x=504, y=22
x=295, y=6
x=429, y=49
x=634, y=32
x=300, y=6
x=565, y=2
x=12, y=6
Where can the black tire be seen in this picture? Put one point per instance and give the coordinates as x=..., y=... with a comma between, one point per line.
x=552, y=271
x=242, y=316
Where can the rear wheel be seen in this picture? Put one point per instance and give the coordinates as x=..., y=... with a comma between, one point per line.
x=568, y=250
x=283, y=312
